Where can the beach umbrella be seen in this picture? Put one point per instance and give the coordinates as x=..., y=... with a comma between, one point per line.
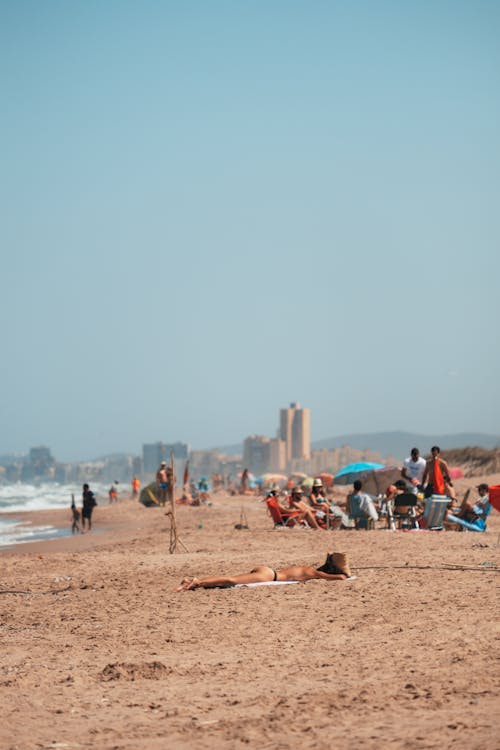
x=494, y=495
x=307, y=482
x=456, y=473
x=376, y=482
x=351, y=472
x=298, y=475
x=326, y=478
x=271, y=478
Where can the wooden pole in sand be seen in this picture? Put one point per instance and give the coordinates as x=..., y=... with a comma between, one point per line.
x=174, y=537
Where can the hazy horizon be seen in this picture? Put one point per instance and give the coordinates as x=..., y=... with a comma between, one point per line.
x=404, y=438
x=211, y=210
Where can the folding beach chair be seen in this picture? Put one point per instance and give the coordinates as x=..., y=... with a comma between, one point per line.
x=361, y=519
x=280, y=520
x=479, y=524
x=404, y=512
x=435, y=510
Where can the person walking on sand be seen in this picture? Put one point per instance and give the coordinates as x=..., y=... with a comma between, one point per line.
x=89, y=503
x=335, y=568
x=113, y=495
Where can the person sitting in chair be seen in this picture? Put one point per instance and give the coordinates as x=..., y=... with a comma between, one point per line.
x=296, y=502
x=473, y=516
x=360, y=506
x=335, y=568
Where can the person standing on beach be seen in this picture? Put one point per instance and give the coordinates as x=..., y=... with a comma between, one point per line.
x=135, y=487
x=436, y=477
x=75, y=517
x=244, y=482
x=162, y=483
x=413, y=470
x=89, y=503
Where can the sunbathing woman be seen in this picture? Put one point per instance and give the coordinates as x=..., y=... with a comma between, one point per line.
x=336, y=568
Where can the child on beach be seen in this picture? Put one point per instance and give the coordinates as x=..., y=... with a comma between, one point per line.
x=75, y=517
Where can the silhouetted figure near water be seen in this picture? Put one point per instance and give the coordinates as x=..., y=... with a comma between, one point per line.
x=75, y=517
x=89, y=503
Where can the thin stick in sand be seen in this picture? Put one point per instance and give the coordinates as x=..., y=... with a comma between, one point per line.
x=174, y=537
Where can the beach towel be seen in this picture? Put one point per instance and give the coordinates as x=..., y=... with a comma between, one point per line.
x=494, y=495
x=273, y=583
x=438, y=485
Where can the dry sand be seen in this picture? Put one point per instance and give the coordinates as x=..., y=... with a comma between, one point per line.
x=98, y=652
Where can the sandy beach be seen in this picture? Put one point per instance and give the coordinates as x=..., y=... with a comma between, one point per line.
x=99, y=652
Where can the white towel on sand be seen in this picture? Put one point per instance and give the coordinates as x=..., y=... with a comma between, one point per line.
x=273, y=583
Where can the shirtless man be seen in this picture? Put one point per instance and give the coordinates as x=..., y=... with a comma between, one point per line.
x=297, y=502
x=434, y=463
x=335, y=568
x=162, y=483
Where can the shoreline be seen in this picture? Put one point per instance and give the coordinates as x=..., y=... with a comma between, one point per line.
x=109, y=523
x=125, y=517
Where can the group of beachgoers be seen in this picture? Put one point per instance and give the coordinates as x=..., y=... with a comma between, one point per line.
x=406, y=499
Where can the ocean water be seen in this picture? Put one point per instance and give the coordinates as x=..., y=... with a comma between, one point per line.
x=28, y=497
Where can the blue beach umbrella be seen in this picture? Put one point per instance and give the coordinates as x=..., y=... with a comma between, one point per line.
x=349, y=473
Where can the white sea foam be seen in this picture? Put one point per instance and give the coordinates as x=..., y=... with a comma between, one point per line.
x=27, y=497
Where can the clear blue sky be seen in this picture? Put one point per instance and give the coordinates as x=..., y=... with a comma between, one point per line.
x=211, y=209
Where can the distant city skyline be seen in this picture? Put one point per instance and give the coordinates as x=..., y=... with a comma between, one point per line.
x=210, y=210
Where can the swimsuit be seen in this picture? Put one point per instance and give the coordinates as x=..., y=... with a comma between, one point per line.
x=273, y=571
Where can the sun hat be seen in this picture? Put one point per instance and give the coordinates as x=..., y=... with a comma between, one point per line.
x=163, y=463
x=339, y=559
x=317, y=483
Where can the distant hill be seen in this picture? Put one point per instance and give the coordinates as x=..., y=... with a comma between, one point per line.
x=394, y=444
x=399, y=444
x=474, y=462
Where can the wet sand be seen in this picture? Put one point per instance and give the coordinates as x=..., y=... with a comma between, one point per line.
x=98, y=651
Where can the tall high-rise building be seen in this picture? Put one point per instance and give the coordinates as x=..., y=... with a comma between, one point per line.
x=295, y=430
x=256, y=454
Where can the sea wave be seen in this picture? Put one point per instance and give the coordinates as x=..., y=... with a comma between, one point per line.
x=23, y=497
x=28, y=497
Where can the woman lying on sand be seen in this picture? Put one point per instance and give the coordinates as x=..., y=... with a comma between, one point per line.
x=336, y=568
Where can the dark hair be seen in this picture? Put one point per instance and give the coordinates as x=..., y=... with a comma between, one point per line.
x=436, y=448
x=357, y=484
x=330, y=567
x=414, y=450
